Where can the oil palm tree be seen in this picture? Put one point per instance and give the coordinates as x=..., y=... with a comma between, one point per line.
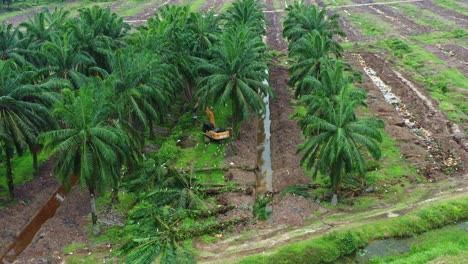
x=89, y=146
x=10, y=44
x=245, y=13
x=177, y=42
x=205, y=29
x=21, y=113
x=97, y=32
x=63, y=61
x=43, y=24
x=335, y=140
x=303, y=19
x=333, y=79
x=310, y=52
x=139, y=88
x=236, y=74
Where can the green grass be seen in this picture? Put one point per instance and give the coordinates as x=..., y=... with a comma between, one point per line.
x=369, y=25
x=426, y=18
x=456, y=6
x=330, y=247
x=73, y=247
x=448, y=241
x=22, y=170
x=195, y=5
x=392, y=167
x=457, y=36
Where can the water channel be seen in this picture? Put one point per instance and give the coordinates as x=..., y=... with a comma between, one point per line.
x=388, y=247
x=264, y=175
x=27, y=234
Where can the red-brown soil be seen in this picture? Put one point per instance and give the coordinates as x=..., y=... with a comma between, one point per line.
x=31, y=197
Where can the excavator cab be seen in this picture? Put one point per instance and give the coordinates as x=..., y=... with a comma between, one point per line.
x=211, y=132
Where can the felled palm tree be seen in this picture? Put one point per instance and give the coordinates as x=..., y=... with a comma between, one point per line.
x=89, y=146
x=310, y=52
x=335, y=140
x=303, y=19
x=236, y=74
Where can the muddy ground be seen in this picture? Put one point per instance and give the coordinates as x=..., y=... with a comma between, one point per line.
x=69, y=224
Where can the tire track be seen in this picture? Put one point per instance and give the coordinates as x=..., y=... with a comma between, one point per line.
x=427, y=138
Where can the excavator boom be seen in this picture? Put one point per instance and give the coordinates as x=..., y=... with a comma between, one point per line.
x=211, y=116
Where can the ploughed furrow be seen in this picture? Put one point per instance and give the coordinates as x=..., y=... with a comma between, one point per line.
x=213, y=5
x=399, y=21
x=448, y=14
x=148, y=11
x=427, y=139
x=451, y=59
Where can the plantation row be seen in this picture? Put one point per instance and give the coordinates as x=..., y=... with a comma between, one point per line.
x=334, y=136
x=89, y=91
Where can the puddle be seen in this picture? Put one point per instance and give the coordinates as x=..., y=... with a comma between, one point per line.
x=25, y=237
x=264, y=181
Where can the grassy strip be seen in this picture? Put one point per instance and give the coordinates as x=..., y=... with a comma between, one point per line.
x=22, y=171
x=195, y=5
x=457, y=36
x=426, y=18
x=455, y=6
x=369, y=25
x=332, y=246
x=431, y=245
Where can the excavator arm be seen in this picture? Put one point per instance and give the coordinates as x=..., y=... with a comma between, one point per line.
x=211, y=116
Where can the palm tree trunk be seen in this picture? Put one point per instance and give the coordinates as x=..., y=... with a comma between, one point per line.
x=35, y=164
x=151, y=131
x=11, y=187
x=235, y=121
x=115, y=196
x=92, y=194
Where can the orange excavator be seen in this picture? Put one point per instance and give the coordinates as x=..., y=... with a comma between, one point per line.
x=210, y=131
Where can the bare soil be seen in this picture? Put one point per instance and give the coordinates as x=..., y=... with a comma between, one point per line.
x=68, y=226
x=31, y=197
